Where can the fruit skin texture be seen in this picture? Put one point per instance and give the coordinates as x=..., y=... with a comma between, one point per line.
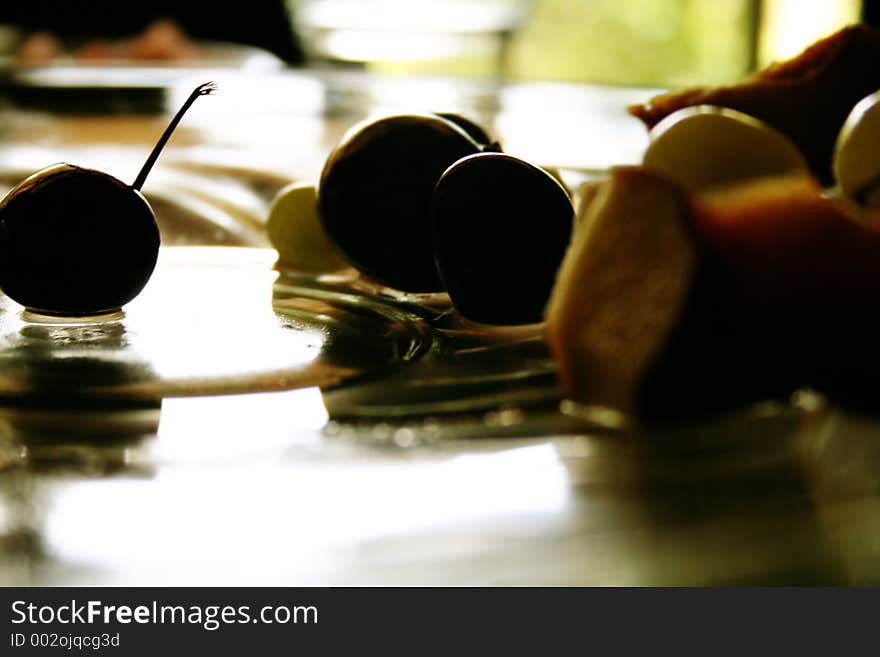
x=75, y=241
x=375, y=191
x=806, y=270
x=501, y=227
x=790, y=248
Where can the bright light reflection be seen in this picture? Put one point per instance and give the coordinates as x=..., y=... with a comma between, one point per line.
x=215, y=320
x=389, y=46
x=291, y=523
x=411, y=94
x=405, y=30
x=412, y=15
x=249, y=93
x=228, y=427
x=789, y=26
x=594, y=130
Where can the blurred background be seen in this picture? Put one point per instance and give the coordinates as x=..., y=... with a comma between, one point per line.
x=550, y=77
x=633, y=42
x=637, y=42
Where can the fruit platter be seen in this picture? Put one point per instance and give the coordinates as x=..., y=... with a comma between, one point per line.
x=656, y=370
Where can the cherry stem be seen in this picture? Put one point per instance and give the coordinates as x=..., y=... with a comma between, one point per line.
x=201, y=90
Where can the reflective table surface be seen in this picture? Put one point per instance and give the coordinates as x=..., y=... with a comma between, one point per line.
x=245, y=424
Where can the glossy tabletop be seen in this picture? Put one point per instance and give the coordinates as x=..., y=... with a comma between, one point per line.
x=241, y=424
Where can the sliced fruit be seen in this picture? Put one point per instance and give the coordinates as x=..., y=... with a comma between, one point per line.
x=806, y=269
x=790, y=245
x=620, y=289
x=856, y=154
x=806, y=98
x=704, y=146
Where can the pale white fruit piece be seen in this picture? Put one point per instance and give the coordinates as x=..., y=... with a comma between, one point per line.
x=856, y=161
x=297, y=234
x=705, y=146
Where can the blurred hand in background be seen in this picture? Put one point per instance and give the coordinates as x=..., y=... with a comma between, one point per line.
x=156, y=30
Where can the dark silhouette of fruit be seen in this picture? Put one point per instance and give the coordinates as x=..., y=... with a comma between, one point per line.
x=375, y=191
x=76, y=241
x=501, y=228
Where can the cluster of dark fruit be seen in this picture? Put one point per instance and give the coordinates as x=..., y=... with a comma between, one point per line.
x=427, y=203
x=76, y=241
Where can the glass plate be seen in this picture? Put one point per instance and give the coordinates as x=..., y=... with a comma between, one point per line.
x=474, y=378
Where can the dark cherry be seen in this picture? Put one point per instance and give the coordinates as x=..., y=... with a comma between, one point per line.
x=375, y=191
x=76, y=241
x=501, y=228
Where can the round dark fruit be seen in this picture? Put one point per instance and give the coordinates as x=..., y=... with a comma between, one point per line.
x=501, y=228
x=375, y=191
x=76, y=241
